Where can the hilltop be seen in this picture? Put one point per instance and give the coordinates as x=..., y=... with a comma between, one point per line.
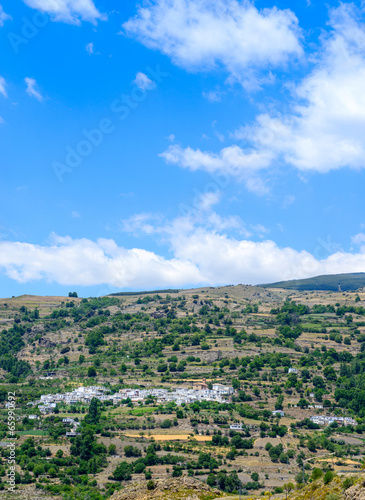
x=334, y=282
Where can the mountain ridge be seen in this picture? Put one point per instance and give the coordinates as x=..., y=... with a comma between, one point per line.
x=333, y=282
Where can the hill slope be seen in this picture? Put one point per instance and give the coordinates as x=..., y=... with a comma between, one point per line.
x=184, y=488
x=350, y=281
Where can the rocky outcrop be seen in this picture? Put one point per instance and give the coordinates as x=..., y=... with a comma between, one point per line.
x=46, y=343
x=39, y=328
x=185, y=488
x=356, y=492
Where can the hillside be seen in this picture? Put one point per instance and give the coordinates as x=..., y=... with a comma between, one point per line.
x=334, y=282
x=173, y=488
x=183, y=385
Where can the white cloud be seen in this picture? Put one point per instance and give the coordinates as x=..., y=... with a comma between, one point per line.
x=208, y=200
x=141, y=223
x=232, y=161
x=288, y=200
x=84, y=262
x=213, y=95
x=32, y=90
x=221, y=259
x=200, y=256
x=324, y=131
x=200, y=35
x=3, y=16
x=358, y=239
x=143, y=82
x=3, y=87
x=198, y=213
x=260, y=229
x=69, y=11
x=90, y=48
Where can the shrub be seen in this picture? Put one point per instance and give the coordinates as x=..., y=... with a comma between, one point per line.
x=328, y=477
x=333, y=496
x=349, y=481
x=112, y=449
x=151, y=485
x=316, y=474
x=139, y=468
x=123, y=472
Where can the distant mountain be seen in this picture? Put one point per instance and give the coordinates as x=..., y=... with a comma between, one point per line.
x=334, y=282
x=151, y=292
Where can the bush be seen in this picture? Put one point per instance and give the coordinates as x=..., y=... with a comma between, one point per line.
x=333, y=496
x=123, y=472
x=132, y=451
x=166, y=424
x=162, y=368
x=349, y=481
x=139, y=468
x=112, y=449
x=151, y=485
x=328, y=477
x=316, y=474
x=38, y=470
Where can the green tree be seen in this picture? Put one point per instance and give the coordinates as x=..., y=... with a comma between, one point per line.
x=93, y=416
x=303, y=403
x=328, y=477
x=330, y=374
x=112, y=450
x=211, y=480
x=123, y=472
x=316, y=473
x=38, y=470
x=288, y=487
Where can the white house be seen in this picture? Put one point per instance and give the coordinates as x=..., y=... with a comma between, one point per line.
x=236, y=427
x=223, y=389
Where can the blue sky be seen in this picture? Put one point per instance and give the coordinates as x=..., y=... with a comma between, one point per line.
x=179, y=143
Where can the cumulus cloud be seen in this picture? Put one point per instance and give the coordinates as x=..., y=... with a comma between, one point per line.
x=32, y=89
x=143, y=82
x=85, y=262
x=232, y=161
x=200, y=256
x=199, y=35
x=3, y=16
x=229, y=260
x=324, y=131
x=3, y=87
x=69, y=11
